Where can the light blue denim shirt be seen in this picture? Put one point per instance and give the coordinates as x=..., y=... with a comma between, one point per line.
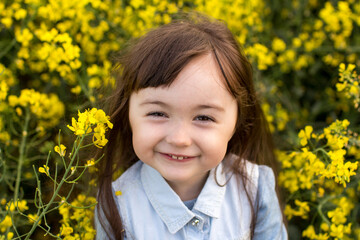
x=150, y=209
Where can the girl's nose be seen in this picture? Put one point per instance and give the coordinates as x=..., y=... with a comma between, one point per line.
x=179, y=136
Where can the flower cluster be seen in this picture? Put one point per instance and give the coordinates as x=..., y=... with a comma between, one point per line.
x=4, y=88
x=77, y=218
x=6, y=222
x=65, y=48
x=277, y=119
x=323, y=158
x=140, y=16
x=337, y=139
x=261, y=55
x=48, y=109
x=301, y=211
x=92, y=121
x=4, y=135
x=7, y=80
x=77, y=215
x=338, y=22
x=321, y=174
x=311, y=234
x=337, y=227
x=21, y=205
x=242, y=18
x=349, y=83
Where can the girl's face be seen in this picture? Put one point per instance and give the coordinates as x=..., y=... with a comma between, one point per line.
x=183, y=130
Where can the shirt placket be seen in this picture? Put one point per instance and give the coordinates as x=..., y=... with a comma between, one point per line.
x=198, y=228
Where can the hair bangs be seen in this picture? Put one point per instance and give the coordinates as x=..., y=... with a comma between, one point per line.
x=168, y=52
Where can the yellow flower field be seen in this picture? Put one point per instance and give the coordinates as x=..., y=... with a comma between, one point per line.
x=56, y=62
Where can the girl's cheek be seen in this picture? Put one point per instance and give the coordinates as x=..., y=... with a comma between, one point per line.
x=151, y=130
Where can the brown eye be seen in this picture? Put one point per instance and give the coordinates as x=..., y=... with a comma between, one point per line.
x=156, y=114
x=204, y=118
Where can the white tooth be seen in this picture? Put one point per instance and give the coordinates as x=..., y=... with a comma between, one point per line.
x=180, y=158
x=174, y=157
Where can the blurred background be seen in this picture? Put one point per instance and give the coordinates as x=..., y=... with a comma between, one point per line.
x=56, y=55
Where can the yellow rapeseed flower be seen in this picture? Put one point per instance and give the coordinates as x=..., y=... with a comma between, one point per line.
x=60, y=150
x=337, y=231
x=66, y=230
x=24, y=36
x=260, y=53
x=20, y=205
x=324, y=226
x=46, y=107
x=5, y=224
x=310, y=233
x=44, y=169
x=92, y=121
x=349, y=83
x=32, y=218
x=4, y=88
x=304, y=135
x=76, y=90
x=338, y=216
x=90, y=163
x=278, y=45
x=10, y=235
x=302, y=210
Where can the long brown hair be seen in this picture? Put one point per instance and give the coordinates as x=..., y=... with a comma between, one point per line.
x=155, y=60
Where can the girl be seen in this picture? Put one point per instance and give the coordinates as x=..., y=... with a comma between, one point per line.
x=190, y=133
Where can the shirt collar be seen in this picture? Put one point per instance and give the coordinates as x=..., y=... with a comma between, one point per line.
x=212, y=195
x=168, y=204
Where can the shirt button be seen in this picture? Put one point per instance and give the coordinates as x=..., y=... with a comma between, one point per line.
x=195, y=222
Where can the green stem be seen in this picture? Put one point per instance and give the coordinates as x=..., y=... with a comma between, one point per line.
x=8, y=48
x=319, y=209
x=321, y=150
x=88, y=145
x=55, y=194
x=21, y=154
x=77, y=179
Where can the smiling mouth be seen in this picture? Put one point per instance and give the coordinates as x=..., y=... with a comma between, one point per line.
x=177, y=157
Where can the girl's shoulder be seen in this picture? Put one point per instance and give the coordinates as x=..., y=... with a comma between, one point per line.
x=256, y=177
x=260, y=176
x=270, y=224
x=254, y=172
x=130, y=177
x=266, y=175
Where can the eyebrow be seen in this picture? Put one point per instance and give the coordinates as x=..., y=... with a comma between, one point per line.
x=151, y=102
x=199, y=107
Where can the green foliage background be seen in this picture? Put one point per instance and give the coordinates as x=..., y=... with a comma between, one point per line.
x=56, y=55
